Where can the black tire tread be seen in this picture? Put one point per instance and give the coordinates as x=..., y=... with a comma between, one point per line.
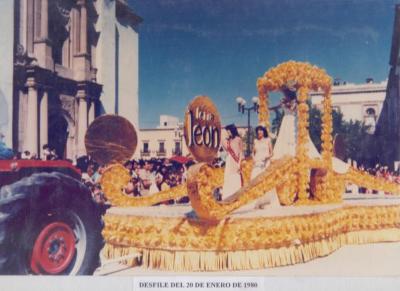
x=23, y=202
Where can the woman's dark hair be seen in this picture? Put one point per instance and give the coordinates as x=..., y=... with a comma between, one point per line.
x=232, y=129
x=290, y=95
x=263, y=129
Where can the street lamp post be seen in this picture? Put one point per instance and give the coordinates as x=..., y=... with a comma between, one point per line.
x=242, y=108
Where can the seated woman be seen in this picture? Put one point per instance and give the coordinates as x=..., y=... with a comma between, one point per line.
x=285, y=145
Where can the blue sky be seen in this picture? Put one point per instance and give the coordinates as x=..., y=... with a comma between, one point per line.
x=220, y=47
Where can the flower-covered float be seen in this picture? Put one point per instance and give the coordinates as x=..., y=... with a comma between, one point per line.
x=209, y=235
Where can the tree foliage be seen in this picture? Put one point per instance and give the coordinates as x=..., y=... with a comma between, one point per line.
x=359, y=144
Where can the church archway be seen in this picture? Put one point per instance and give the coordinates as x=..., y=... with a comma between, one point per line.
x=58, y=133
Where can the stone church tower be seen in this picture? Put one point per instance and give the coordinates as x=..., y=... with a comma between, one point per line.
x=62, y=67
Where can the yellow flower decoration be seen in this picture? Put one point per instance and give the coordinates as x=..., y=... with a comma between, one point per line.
x=116, y=177
x=290, y=177
x=303, y=77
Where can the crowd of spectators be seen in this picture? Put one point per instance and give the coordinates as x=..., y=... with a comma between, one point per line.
x=154, y=175
x=383, y=172
x=147, y=176
x=48, y=154
x=378, y=171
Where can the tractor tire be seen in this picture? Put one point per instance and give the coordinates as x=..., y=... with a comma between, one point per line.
x=49, y=225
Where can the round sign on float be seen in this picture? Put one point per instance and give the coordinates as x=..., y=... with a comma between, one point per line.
x=202, y=129
x=110, y=139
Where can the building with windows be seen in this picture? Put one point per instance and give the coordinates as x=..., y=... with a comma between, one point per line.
x=168, y=121
x=63, y=63
x=161, y=143
x=362, y=102
x=167, y=140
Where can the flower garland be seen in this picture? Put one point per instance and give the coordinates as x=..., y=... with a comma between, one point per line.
x=287, y=191
x=238, y=243
x=263, y=112
x=246, y=167
x=116, y=177
x=364, y=179
x=328, y=187
x=202, y=182
x=301, y=147
x=244, y=233
x=302, y=74
x=304, y=77
x=331, y=194
x=327, y=128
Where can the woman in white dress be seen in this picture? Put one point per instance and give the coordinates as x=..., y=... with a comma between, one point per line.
x=286, y=142
x=233, y=146
x=262, y=151
x=285, y=145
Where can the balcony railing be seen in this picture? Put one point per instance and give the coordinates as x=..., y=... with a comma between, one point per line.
x=145, y=153
x=161, y=153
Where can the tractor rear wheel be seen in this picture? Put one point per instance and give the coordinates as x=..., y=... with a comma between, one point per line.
x=49, y=225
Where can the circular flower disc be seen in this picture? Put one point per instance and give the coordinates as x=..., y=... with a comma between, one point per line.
x=110, y=138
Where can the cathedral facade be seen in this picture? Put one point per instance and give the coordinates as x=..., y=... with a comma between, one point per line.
x=64, y=62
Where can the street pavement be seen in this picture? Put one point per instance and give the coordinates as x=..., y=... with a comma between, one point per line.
x=379, y=259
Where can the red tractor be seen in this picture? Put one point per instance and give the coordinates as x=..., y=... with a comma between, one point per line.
x=49, y=222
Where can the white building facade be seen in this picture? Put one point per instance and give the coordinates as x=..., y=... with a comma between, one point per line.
x=161, y=143
x=362, y=102
x=167, y=140
x=63, y=63
x=164, y=141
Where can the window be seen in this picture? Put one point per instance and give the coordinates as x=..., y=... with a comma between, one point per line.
x=371, y=112
x=177, y=148
x=145, y=147
x=336, y=82
x=60, y=30
x=161, y=147
x=370, y=117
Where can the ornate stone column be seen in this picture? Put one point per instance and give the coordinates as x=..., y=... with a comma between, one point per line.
x=81, y=60
x=42, y=48
x=23, y=23
x=44, y=20
x=83, y=27
x=44, y=120
x=31, y=141
x=82, y=122
x=30, y=31
x=75, y=30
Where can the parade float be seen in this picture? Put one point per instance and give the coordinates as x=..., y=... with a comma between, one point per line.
x=313, y=219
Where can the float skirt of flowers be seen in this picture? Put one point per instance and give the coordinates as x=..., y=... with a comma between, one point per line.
x=169, y=238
